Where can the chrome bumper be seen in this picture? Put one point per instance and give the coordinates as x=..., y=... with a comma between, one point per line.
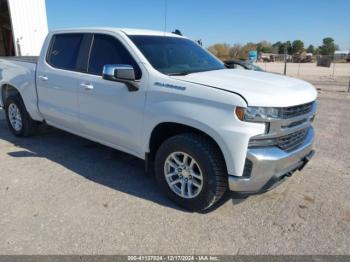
x=271, y=165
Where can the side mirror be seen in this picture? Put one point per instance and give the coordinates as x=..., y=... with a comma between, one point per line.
x=121, y=73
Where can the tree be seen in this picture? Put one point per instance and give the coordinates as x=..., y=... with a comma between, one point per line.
x=317, y=51
x=311, y=49
x=286, y=47
x=264, y=47
x=276, y=47
x=328, y=47
x=297, y=47
x=222, y=51
x=281, y=48
x=246, y=48
x=289, y=48
x=235, y=51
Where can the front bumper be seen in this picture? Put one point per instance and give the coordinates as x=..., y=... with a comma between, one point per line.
x=270, y=166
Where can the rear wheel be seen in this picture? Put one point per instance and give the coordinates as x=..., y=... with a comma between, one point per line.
x=191, y=171
x=18, y=119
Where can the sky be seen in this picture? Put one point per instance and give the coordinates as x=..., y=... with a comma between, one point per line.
x=214, y=21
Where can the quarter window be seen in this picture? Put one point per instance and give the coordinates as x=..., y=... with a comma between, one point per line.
x=108, y=50
x=64, y=51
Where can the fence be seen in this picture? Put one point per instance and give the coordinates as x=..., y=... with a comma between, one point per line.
x=336, y=68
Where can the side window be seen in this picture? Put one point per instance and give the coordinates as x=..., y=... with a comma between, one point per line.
x=108, y=50
x=64, y=51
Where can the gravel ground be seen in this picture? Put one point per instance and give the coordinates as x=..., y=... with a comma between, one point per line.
x=60, y=194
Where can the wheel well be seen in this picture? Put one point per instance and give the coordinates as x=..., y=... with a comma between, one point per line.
x=7, y=91
x=166, y=130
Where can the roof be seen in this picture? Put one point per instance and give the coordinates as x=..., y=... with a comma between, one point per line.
x=341, y=52
x=127, y=31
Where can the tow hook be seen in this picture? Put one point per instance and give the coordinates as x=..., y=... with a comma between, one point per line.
x=306, y=160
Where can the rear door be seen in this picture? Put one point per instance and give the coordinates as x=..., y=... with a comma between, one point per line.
x=110, y=113
x=57, y=79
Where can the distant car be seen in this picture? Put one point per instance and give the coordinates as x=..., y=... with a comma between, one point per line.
x=236, y=64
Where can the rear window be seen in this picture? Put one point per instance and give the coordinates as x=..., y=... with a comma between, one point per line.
x=64, y=51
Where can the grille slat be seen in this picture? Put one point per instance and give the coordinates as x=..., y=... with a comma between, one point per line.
x=294, y=111
x=292, y=141
x=296, y=139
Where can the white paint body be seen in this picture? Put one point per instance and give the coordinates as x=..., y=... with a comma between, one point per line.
x=113, y=116
x=29, y=25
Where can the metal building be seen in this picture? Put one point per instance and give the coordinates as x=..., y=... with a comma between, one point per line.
x=23, y=27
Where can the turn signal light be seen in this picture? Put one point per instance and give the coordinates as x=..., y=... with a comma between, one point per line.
x=240, y=111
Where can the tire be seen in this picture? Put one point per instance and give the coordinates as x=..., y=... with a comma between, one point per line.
x=208, y=161
x=28, y=125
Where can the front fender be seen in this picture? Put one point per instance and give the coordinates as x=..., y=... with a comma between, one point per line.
x=207, y=113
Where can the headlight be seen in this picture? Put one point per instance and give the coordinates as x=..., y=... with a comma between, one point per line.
x=258, y=114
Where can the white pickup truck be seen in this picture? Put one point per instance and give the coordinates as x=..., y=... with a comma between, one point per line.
x=162, y=98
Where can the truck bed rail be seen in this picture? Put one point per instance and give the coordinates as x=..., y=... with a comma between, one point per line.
x=27, y=59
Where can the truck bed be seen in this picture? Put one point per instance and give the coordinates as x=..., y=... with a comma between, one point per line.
x=20, y=72
x=27, y=59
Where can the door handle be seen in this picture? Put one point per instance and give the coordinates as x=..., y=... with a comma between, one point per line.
x=43, y=78
x=87, y=87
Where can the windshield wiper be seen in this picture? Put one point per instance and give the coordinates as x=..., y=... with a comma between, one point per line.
x=184, y=73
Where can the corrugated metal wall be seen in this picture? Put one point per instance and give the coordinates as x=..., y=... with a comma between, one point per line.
x=29, y=23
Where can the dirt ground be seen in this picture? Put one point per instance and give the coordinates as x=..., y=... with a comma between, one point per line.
x=60, y=194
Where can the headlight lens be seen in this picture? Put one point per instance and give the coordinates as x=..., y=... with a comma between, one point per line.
x=258, y=114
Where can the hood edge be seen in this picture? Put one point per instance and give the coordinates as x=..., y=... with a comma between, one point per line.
x=215, y=87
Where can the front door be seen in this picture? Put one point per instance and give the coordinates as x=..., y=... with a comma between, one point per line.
x=108, y=112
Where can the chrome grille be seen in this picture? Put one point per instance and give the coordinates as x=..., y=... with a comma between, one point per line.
x=292, y=141
x=294, y=111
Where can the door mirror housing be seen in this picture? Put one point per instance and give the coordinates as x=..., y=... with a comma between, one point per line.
x=121, y=73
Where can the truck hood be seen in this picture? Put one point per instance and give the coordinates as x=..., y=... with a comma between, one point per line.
x=257, y=88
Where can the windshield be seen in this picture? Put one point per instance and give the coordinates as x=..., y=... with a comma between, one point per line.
x=176, y=56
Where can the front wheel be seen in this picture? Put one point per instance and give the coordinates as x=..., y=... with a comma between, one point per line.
x=191, y=170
